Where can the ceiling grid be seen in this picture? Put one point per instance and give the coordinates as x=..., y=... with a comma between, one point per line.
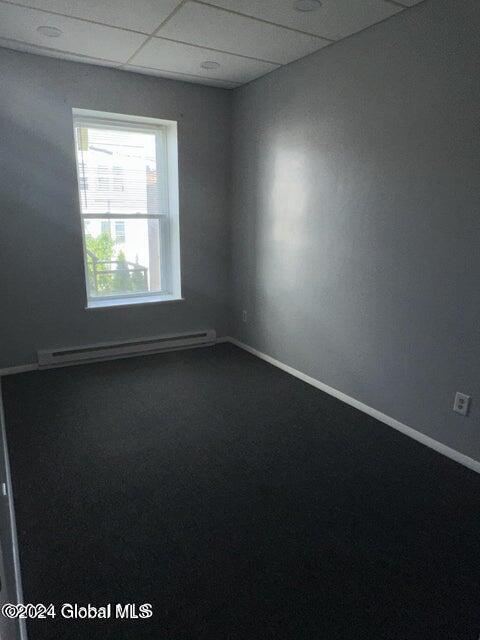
x=223, y=43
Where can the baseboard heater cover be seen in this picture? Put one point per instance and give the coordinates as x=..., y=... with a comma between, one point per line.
x=111, y=350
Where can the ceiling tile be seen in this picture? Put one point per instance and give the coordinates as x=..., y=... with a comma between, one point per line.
x=175, y=56
x=207, y=26
x=53, y=53
x=78, y=37
x=184, y=77
x=334, y=19
x=141, y=15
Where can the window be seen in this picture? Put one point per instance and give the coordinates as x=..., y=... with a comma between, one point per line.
x=102, y=178
x=128, y=191
x=120, y=231
x=118, y=178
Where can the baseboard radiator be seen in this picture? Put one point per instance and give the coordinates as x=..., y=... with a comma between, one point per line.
x=112, y=350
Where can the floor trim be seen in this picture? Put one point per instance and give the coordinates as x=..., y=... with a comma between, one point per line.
x=453, y=454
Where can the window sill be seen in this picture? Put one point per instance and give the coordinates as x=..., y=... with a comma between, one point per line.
x=131, y=302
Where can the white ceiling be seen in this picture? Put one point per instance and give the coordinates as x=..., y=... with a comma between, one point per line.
x=173, y=38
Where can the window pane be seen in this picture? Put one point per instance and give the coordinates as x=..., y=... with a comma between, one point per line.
x=120, y=231
x=121, y=171
x=126, y=263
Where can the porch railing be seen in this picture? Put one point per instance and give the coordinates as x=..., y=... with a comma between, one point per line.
x=132, y=276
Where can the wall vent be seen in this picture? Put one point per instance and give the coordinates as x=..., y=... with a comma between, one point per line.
x=126, y=348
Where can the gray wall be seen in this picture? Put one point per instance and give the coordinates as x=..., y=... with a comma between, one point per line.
x=41, y=263
x=356, y=217
x=355, y=227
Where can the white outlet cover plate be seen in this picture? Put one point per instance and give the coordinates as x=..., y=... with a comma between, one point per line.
x=461, y=404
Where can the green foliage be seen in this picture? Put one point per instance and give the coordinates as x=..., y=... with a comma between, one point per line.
x=139, y=279
x=114, y=275
x=102, y=248
x=121, y=278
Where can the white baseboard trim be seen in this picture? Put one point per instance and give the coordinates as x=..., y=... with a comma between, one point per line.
x=453, y=454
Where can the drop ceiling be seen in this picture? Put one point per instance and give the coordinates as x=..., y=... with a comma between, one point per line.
x=222, y=43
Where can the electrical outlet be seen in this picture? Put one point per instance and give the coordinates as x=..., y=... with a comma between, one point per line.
x=461, y=404
x=244, y=315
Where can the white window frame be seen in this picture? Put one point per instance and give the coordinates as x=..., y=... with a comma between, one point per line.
x=169, y=222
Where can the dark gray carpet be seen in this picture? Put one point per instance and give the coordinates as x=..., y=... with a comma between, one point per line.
x=242, y=503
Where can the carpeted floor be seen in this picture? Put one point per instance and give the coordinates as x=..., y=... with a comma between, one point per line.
x=242, y=503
